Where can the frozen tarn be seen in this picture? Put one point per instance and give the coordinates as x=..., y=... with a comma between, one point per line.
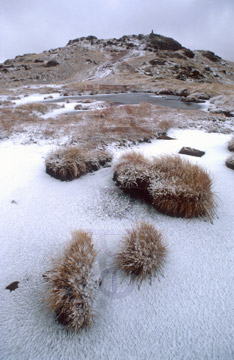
x=134, y=98
x=187, y=314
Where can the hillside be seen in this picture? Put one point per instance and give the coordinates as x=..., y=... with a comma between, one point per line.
x=135, y=59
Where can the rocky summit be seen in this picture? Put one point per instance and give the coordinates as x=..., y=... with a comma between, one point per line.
x=140, y=60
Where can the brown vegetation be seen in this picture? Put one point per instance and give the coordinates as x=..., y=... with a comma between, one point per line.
x=70, y=163
x=230, y=162
x=72, y=283
x=143, y=252
x=36, y=108
x=174, y=186
x=14, y=120
x=179, y=188
x=231, y=144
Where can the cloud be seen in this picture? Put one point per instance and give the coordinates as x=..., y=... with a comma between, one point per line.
x=38, y=25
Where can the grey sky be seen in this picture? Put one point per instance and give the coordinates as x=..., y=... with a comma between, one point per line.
x=37, y=25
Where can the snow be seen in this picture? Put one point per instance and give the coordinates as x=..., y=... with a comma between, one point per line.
x=70, y=107
x=35, y=98
x=103, y=71
x=186, y=314
x=206, y=106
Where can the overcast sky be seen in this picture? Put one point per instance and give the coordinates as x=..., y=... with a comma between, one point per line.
x=37, y=25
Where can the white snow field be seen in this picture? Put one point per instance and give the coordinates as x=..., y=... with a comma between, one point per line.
x=185, y=314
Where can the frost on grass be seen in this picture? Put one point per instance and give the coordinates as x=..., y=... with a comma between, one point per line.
x=143, y=252
x=72, y=162
x=231, y=144
x=73, y=283
x=172, y=185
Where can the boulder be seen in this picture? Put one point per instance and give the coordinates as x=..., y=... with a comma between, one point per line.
x=189, y=72
x=155, y=62
x=192, y=152
x=51, y=63
x=188, y=53
x=159, y=42
x=211, y=56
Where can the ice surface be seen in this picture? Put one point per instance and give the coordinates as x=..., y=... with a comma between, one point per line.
x=187, y=314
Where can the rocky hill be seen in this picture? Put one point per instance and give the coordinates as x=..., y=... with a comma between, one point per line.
x=137, y=60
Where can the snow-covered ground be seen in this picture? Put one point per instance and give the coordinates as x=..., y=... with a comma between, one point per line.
x=186, y=314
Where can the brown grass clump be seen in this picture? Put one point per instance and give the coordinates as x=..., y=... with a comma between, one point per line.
x=132, y=172
x=181, y=189
x=73, y=282
x=231, y=144
x=230, y=162
x=143, y=252
x=70, y=163
x=35, y=108
x=172, y=185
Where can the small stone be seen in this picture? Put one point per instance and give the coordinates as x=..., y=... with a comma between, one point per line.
x=13, y=286
x=13, y=202
x=191, y=152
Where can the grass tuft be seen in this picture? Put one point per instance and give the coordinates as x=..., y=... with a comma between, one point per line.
x=70, y=163
x=73, y=282
x=173, y=185
x=143, y=252
x=230, y=162
x=231, y=144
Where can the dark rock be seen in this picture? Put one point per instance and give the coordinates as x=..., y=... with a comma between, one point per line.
x=192, y=99
x=166, y=92
x=39, y=61
x=110, y=43
x=13, y=202
x=51, y=63
x=13, y=286
x=188, y=53
x=91, y=37
x=160, y=42
x=157, y=62
x=211, y=56
x=70, y=42
x=189, y=72
x=8, y=62
x=164, y=137
x=78, y=107
x=191, y=152
x=26, y=67
x=140, y=37
x=173, y=55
